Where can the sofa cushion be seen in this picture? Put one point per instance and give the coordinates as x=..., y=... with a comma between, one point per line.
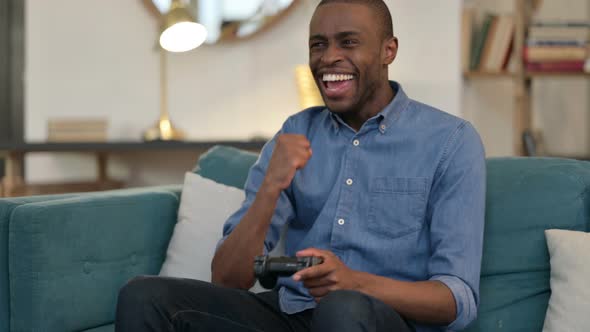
x=69, y=257
x=204, y=207
x=104, y=328
x=226, y=165
x=570, y=273
x=526, y=196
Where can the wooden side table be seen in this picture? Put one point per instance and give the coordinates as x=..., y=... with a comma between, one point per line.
x=14, y=184
x=13, y=177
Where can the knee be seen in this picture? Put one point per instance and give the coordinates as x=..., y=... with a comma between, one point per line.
x=342, y=307
x=141, y=289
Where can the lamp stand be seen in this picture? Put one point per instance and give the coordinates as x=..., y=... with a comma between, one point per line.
x=163, y=130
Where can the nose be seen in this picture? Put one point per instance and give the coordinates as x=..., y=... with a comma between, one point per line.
x=331, y=55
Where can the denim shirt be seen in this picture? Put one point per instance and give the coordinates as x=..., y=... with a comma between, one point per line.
x=403, y=197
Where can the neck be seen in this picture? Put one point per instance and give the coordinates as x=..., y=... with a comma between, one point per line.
x=375, y=103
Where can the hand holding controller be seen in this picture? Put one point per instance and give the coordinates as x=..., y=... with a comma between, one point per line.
x=268, y=269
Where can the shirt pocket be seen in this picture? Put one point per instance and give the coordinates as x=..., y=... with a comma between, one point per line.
x=397, y=205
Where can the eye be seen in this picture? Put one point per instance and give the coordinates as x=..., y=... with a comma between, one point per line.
x=349, y=42
x=316, y=45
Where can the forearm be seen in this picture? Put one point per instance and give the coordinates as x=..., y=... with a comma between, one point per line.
x=429, y=302
x=232, y=265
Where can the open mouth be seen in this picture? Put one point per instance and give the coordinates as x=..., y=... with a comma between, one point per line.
x=337, y=85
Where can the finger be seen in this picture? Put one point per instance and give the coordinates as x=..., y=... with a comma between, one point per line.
x=308, y=153
x=299, y=140
x=302, y=139
x=301, y=163
x=319, y=291
x=303, y=156
x=313, y=252
x=313, y=272
x=318, y=282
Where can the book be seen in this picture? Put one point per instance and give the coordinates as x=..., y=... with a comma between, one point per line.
x=499, y=42
x=77, y=137
x=467, y=21
x=559, y=33
x=546, y=42
x=554, y=53
x=77, y=130
x=491, y=36
x=77, y=123
x=479, y=40
x=508, y=55
x=560, y=23
x=561, y=66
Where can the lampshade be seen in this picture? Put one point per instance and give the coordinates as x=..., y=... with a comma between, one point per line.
x=180, y=32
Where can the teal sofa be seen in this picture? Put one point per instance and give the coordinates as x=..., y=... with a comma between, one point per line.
x=63, y=258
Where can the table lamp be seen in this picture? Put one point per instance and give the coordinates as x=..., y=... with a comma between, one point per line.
x=180, y=33
x=309, y=94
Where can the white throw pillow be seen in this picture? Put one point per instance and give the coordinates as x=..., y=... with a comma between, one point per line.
x=569, y=305
x=205, y=205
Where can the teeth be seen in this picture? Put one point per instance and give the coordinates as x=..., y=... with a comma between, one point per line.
x=337, y=77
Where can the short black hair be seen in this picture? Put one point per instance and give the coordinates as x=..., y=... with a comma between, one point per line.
x=378, y=7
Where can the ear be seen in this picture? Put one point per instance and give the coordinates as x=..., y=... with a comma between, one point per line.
x=390, y=50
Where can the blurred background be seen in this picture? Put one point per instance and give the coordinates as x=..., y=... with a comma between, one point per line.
x=88, y=71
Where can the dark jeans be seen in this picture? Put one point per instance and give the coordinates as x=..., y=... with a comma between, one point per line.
x=171, y=304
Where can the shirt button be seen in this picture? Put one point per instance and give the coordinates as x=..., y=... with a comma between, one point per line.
x=383, y=127
x=341, y=222
x=349, y=182
x=356, y=142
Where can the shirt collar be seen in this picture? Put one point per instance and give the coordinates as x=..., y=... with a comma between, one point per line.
x=393, y=110
x=387, y=116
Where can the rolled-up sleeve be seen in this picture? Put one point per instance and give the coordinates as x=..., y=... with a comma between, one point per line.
x=464, y=299
x=456, y=215
x=284, y=210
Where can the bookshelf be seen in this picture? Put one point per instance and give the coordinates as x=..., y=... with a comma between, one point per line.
x=522, y=78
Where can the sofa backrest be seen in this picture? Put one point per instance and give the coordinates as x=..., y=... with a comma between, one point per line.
x=226, y=165
x=525, y=196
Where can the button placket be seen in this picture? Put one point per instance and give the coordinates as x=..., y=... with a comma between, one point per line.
x=340, y=228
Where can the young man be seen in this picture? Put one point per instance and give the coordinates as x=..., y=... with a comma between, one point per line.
x=388, y=191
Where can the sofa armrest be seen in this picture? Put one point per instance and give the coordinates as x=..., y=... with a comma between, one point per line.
x=7, y=205
x=69, y=257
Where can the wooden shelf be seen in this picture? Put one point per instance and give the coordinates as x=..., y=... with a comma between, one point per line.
x=522, y=121
x=483, y=74
x=494, y=75
x=125, y=146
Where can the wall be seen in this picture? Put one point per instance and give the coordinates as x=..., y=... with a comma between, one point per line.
x=97, y=58
x=560, y=105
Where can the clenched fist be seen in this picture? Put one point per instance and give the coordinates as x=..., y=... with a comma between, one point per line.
x=291, y=153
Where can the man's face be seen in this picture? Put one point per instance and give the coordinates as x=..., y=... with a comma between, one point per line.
x=346, y=55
